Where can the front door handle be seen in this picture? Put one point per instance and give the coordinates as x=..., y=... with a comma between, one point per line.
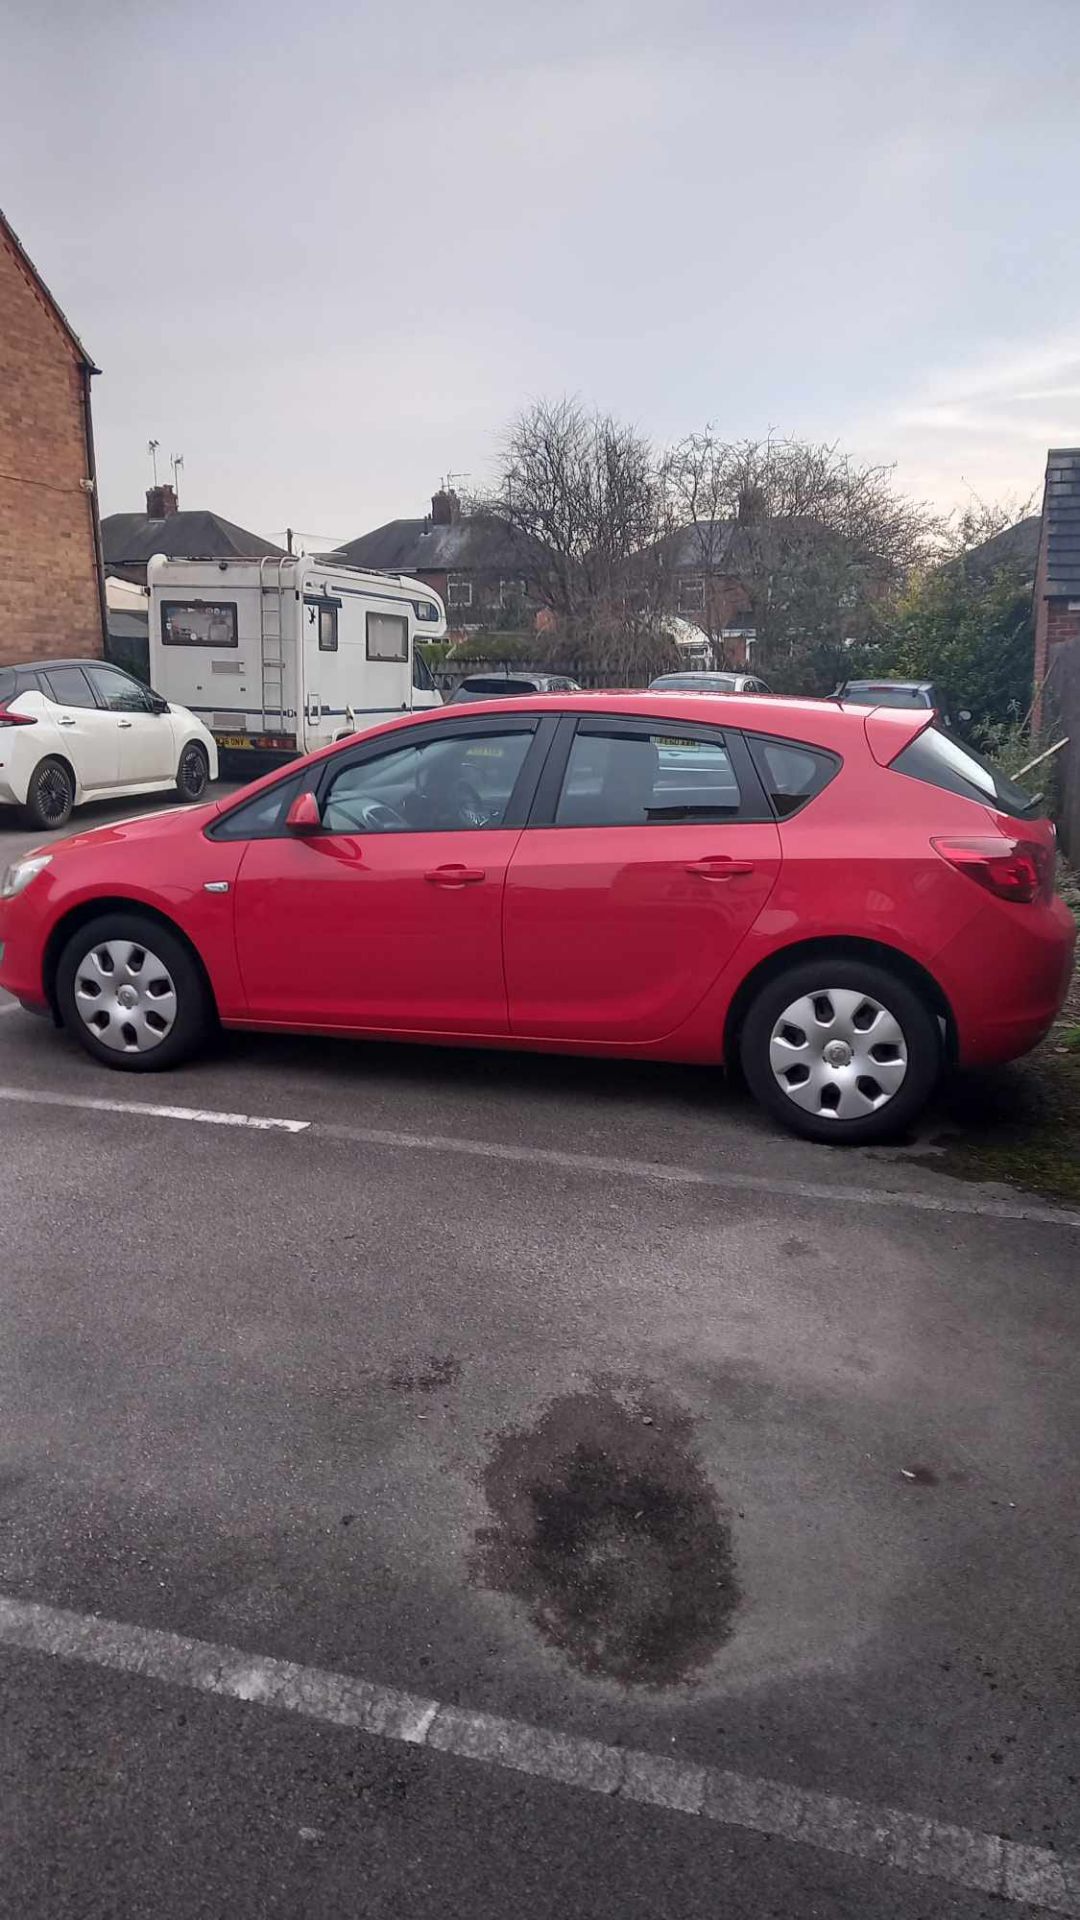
x=718, y=866
x=123, y=723
x=455, y=876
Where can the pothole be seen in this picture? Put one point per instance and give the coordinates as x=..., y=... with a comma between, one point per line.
x=609, y=1531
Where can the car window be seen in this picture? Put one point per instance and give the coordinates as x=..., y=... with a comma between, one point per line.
x=941, y=760
x=489, y=686
x=119, y=693
x=646, y=779
x=791, y=773
x=262, y=818
x=694, y=683
x=69, y=687
x=886, y=696
x=441, y=785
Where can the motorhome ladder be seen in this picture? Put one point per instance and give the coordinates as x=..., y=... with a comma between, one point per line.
x=272, y=643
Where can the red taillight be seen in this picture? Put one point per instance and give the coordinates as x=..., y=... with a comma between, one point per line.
x=1020, y=870
x=8, y=719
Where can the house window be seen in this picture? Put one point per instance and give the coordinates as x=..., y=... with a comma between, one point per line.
x=511, y=592
x=387, y=636
x=692, y=593
x=458, y=590
x=198, y=623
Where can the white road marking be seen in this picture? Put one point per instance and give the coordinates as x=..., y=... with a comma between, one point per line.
x=885, y=1836
x=977, y=1203
x=143, y=1110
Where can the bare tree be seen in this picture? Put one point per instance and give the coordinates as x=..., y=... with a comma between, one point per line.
x=813, y=538
x=588, y=507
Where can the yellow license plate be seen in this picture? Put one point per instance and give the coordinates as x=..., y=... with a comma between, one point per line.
x=232, y=740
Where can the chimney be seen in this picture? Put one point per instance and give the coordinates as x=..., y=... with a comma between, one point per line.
x=445, y=507
x=160, y=502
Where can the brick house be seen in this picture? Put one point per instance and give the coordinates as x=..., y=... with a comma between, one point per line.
x=474, y=564
x=1057, y=571
x=130, y=540
x=52, y=598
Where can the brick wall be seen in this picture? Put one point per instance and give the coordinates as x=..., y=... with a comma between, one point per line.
x=49, y=597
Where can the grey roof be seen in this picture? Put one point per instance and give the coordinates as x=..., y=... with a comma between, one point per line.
x=131, y=539
x=50, y=300
x=1013, y=546
x=420, y=546
x=128, y=626
x=699, y=546
x=1061, y=523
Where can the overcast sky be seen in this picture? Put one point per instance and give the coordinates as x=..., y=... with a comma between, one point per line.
x=325, y=252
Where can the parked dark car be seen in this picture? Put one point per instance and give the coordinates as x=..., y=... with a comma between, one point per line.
x=901, y=693
x=495, y=686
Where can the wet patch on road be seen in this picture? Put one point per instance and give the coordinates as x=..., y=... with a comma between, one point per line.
x=439, y=1370
x=608, y=1529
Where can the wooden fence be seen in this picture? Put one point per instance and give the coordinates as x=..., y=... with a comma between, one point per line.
x=1063, y=709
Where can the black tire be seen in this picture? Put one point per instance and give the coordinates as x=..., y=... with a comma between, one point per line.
x=814, y=979
x=50, y=795
x=193, y=773
x=192, y=1021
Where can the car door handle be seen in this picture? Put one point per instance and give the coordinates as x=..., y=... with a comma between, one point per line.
x=455, y=876
x=67, y=720
x=719, y=866
x=123, y=723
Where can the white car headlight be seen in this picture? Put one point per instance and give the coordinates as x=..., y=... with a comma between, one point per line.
x=21, y=872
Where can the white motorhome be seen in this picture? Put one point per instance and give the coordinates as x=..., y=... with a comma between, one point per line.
x=283, y=654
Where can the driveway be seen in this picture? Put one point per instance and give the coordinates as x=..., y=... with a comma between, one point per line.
x=697, y=1503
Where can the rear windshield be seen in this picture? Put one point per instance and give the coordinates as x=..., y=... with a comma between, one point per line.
x=694, y=683
x=866, y=695
x=941, y=761
x=481, y=688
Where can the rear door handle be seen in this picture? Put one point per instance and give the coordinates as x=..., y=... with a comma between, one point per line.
x=455, y=876
x=123, y=723
x=719, y=866
x=66, y=720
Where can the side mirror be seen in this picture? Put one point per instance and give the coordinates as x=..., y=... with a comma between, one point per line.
x=157, y=704
x=304, y=816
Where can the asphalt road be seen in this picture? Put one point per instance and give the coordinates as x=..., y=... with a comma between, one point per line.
x=559, y=1391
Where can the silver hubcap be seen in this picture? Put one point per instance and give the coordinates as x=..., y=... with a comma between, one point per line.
x=125, y=996
x=838, y=1054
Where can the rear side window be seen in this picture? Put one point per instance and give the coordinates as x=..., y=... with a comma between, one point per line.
x=644, y=780
x=942, y=761
x=262, y=818
x=791, y=773
x=69, y=687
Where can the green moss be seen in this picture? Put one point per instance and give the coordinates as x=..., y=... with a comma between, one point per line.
x=1022, y=1125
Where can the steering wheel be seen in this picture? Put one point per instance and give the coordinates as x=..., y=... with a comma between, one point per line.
x=469, y=810
x=377, y=817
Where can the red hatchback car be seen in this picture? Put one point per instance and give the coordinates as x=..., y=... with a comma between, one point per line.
x=837, y=898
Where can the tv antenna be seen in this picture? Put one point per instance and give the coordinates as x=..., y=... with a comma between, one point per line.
x=176, y=462
x=152, y=449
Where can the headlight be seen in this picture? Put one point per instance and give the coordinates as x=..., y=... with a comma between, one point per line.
x=21, y=872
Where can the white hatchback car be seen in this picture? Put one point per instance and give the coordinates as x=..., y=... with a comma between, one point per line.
x=75, y=730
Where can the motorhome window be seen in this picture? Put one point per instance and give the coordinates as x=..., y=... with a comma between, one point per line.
x=328, y=629
x=198, y=623
x=421, y=673
x=387, y=636
x=427, y=611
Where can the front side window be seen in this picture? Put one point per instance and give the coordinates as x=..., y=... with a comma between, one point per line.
x=440, y=786
x=262, y=818
x=458, y=590
x=422, y=677
x=69, y=687
x=639, y=780
x=387, y=636
x=199, y=623
x=791, y=773
x=119, y=693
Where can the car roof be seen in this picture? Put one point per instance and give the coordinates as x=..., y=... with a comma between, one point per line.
x=820, y=722
x=43, y=666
